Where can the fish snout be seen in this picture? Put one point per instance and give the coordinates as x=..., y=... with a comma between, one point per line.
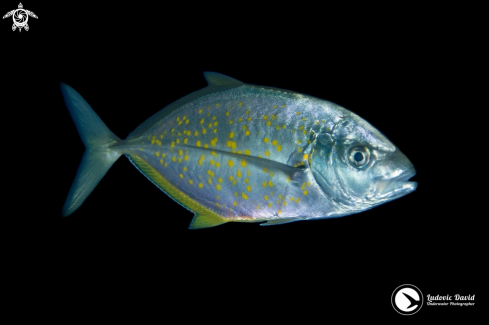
x=395, y=181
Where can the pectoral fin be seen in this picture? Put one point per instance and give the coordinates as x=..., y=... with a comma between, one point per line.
x=279, y=221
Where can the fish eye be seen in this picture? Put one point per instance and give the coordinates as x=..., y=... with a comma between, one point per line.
x=359, y=156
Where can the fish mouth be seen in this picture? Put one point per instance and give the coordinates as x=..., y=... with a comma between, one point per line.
x=398, y=186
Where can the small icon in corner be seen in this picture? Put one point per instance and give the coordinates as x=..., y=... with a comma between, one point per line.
x=20, y=17
x=407, y=299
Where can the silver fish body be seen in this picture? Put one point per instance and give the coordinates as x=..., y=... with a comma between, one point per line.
x=246, y=153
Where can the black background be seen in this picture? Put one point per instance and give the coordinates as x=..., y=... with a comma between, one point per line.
x=129, y=244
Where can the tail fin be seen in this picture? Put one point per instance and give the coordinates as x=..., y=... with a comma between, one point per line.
x=98, y=157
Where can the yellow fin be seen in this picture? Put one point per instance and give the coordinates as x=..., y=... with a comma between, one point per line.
x=204, y=217
x=206, y=221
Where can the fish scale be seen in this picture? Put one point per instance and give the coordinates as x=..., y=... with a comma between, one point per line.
x=226, y=132
x=238, y=152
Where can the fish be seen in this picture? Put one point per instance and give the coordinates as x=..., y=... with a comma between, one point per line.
x=237, y=152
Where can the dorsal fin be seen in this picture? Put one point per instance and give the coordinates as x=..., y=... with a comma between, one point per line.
x=218, y=79
x=217, y=82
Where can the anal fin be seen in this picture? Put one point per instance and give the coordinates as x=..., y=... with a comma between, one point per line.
x=206, y=220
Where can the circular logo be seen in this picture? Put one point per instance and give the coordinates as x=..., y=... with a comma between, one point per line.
x=407, y=299
x=20, y=17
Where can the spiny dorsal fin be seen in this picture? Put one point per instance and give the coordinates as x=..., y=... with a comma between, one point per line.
x=217, y=79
